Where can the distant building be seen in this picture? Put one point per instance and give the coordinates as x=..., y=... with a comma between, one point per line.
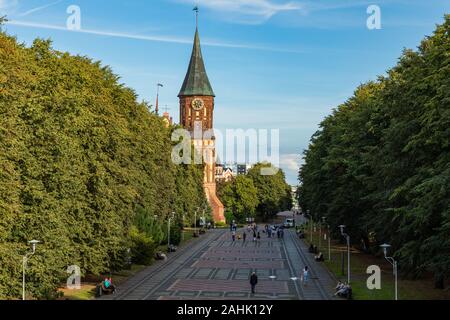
x=167, y=119
x=224, y=174
x=242, y=169
x=197, y=107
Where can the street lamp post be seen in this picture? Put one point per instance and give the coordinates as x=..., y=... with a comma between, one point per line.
x=320, y=234
x=311, y=224
x=329, y=242
x=392, y=261
x=204, y=220
x=159, y=85
x=168, y=229
x=182, y=227
x=347, y=237
x=195, y=222
x=329, y=238
x=24, y=263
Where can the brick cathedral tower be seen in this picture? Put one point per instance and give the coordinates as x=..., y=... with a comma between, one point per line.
x=197, y=113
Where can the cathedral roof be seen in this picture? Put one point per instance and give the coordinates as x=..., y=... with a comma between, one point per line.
x=196, y=82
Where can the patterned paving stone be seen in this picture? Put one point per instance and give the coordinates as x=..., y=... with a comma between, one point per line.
x=239, y=264
x=215, y=268
x=236, y=295
x=204, y=273
x=283, y=274
x=263, y=273
x=186, y=293
x=229, y=285
x=184, y=273
x=163, y=293
x=222, y=274
x=214, y=294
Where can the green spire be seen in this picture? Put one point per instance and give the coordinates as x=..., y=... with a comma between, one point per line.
x=196, y=82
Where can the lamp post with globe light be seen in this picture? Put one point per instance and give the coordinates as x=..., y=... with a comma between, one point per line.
x=347, y=237
x=329, y=237
x=311, y=224
x=392, y=261
x=195, y=223
x=168, y=230
x=24, y=265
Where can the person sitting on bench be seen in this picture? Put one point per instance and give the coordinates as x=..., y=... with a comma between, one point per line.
x=160, y=256
x=339, y=286
x=108, y=287
x=319, y=257
x=344, y=291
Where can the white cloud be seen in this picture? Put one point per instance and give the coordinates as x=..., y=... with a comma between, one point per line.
x=159, y=38
x=246, y=11
x=40, y=8
x=291, y=162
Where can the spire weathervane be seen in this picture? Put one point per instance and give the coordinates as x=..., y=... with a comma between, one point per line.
x=196, y=15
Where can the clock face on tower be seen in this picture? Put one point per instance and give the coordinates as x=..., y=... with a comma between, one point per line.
x=198, y=104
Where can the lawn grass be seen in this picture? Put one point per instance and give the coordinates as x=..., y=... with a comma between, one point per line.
x=188, y=235
x=422, y=289
x=87, y=292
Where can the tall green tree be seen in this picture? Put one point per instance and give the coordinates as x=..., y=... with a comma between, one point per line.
x=79, y=157
x=274, y=194
x=381, y=162
x=240, y=197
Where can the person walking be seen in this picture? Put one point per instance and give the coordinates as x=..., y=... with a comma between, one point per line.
x=244, y=236
x=305, y=276
x=253, y=281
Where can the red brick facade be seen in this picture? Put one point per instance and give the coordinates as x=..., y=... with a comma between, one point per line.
x=189, y=118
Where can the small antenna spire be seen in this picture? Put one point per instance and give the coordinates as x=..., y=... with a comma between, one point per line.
x=196, y=16
x=166, y=109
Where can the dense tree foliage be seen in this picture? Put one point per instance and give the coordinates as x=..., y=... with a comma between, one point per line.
x=240, y=198
x=274, y=193
x=381, y=162
x=79, y=156
x=256, y=194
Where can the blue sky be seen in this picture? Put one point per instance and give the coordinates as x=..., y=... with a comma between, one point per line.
x=281, y=64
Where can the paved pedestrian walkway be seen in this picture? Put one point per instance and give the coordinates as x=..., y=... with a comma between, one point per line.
x=215, y=267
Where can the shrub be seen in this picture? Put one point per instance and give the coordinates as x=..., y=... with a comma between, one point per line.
x=142, y=247
x=221, y=224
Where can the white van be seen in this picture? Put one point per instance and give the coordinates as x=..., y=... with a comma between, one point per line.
x=289, y=223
